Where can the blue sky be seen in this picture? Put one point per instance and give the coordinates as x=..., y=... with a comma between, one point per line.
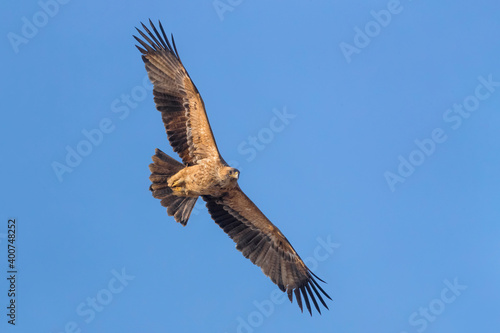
x=366, y=131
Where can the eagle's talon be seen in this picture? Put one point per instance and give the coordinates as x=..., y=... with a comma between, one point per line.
x=176, y=183
x=176, y=188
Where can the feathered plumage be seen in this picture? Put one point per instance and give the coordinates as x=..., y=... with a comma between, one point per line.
x=205, y=173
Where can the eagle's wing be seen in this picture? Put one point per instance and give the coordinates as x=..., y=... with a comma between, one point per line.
x=264, y=244
x=176, y=97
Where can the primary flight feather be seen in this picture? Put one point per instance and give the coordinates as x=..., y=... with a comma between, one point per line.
x=205, y=173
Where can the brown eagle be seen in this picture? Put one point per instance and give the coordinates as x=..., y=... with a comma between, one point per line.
x=205, y=173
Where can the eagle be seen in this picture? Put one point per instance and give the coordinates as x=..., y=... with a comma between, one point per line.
x=204, y=173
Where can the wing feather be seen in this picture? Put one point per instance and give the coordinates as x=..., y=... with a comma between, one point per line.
x=176, y=97
x=264, y=244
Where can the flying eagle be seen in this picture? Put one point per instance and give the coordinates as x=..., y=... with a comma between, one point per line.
x=205, y=173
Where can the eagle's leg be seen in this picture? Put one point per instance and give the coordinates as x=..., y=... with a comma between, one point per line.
x=181, y=183
x=177, y=185
x=177, y=182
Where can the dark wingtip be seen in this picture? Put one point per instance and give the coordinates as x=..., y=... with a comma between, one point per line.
x=313, y=298
x=319, y=287
x=140, y=48
x=308, y=289
x=319, y=296
x=298, y=298
x=175, y=47
x=317, y=277
x=304, y=294
x=152, y=41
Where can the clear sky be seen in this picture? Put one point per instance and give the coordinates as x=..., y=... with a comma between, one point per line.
x=368, y=132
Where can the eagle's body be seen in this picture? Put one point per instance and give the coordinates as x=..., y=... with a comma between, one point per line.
x=205, y=173
x=208, y=177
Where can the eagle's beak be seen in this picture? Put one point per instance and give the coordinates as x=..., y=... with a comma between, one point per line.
x=236, y=175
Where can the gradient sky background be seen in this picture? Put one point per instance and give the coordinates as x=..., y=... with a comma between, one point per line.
x=320, y=178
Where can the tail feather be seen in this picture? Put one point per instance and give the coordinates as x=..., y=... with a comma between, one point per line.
x=162, y=168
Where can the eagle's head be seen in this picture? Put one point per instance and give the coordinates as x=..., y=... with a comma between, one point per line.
x=229, y=175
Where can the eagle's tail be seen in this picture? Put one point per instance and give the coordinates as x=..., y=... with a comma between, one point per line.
x=162, y=168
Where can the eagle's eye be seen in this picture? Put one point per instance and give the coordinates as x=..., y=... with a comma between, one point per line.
x=235, y=173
